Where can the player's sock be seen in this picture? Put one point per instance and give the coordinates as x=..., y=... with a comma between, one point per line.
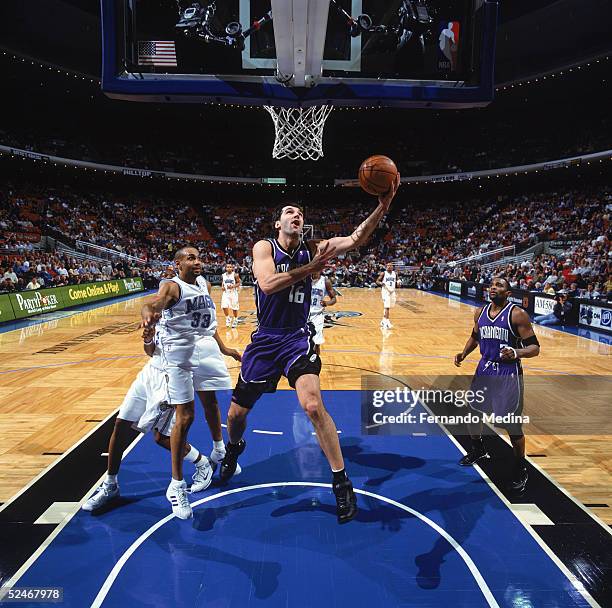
x=192, y=455
x=219, y=445
x=339, y=476
x=110, y=480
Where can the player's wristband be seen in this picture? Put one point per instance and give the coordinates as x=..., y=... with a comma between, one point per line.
x=148, y=343
x=516, y=357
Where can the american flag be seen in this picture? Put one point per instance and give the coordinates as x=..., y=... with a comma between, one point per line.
x=157, y=52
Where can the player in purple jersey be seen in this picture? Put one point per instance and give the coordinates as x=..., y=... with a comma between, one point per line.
x=505, y=336
x=283, y=343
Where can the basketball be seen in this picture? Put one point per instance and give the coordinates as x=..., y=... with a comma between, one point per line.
x=376, y=174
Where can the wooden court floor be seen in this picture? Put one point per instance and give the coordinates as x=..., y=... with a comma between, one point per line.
x=60, y=379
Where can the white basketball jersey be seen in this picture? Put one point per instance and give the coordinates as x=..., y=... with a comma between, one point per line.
x=389, y=280
x=318, y=293
x=182, y=325
x=229, y=280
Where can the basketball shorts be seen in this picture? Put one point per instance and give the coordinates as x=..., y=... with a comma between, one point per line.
x=229, y=299
x=272, y=354
x=498, y=388
x=148, y=393
x=388, y=299
x=209, y=370
x=318, y=322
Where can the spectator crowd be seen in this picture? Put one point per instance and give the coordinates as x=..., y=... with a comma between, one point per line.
x=568, y=231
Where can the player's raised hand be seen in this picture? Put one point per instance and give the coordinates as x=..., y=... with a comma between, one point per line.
x=325, y=252
x=458, y=359
x=148, y=333
x=385, y=199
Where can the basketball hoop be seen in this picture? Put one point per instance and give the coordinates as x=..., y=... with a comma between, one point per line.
x=299, y=131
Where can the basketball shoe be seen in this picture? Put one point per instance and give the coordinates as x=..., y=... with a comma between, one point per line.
x=217, y=456
x=518, y=481
x=103, y=495
x=203, y=475
x=475, y=453
x=346, y=501
x=177, y=496
x=230, y=461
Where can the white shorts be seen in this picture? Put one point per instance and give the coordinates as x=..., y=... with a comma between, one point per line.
x=229, y=299
x=388, y=299
x=148, y=391
x=210, y=372
x=318, y=321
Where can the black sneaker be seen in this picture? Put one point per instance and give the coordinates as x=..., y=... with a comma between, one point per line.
x=230, y=462
x=346, y=501
x=518, y=481
x=473, y=456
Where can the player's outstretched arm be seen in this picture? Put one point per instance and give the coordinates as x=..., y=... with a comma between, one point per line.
x=166, y=297
x=270, y=281
x=471, y=343
x=531, y=346
x=229, y=352
x=331, y=292
x=379, y=280
x=364, y=231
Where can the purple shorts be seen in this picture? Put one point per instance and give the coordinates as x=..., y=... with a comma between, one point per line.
x=272, y=354
x=501, y=388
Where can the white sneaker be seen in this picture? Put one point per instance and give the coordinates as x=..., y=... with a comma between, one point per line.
x=382, y=323
x=102, y=496
x=177, y=495
x=235, y=322
x=203, y=475
x=389, y=325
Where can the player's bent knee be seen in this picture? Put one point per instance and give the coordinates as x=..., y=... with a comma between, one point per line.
x=237, y=413
x=313, y=406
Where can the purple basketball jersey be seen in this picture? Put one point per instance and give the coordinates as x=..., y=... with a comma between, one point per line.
x=496, y=333
x=289, y=308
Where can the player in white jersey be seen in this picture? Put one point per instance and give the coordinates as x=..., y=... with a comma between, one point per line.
x=230, y=284
x=187, y=330
x=387, y=280
x=321, y=286
x=144, y=409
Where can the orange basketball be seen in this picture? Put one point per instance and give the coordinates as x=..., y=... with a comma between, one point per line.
x=376, y=174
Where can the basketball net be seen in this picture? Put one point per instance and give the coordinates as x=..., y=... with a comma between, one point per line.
x=299, y=131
